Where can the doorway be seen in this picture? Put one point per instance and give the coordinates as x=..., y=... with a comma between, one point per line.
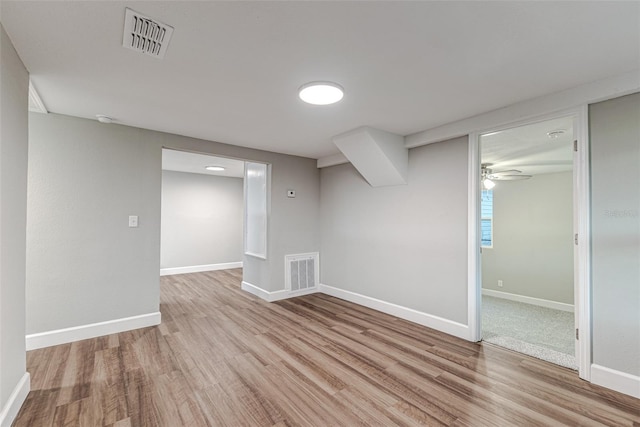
x=526, y=225
x=524, y=251
x=202, y=213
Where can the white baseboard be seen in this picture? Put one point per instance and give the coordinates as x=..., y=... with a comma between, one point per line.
x=253, y=289
x=616, y=380
x=200, y=268
x=444, y=325
x=435, y=322
x=529, y=300
x=83, y=332
x=15, y=401
x=275, y=295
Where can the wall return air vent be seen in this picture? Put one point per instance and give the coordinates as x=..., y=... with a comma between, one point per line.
x=145, y=35
x=301, y=271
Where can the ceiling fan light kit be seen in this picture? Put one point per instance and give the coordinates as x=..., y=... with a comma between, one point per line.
x=488, y=184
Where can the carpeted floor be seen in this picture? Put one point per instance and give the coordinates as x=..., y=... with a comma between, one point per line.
x=540, y=332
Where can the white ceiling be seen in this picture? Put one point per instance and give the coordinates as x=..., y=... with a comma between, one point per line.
x=529, y=148
x=232, y=69
x=182, y=161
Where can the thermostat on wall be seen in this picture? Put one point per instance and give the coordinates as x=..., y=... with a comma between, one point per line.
x=291, y=193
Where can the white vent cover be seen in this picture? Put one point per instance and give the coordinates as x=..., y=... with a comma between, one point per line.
x=145, y=35
x=301, y=271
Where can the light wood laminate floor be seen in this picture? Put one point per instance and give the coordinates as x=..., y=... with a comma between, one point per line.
x=224, y=357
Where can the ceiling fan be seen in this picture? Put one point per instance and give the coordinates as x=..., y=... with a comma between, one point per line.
x=489, y=175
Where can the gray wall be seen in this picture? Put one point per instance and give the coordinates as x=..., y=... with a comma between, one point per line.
x=404, y=244
x=85, y=178
x=201, y=220
x=14, y=83
x=84, y=264
x=533, y=238
x=615, y=217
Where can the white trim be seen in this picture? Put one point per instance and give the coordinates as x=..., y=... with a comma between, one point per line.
x=259, y=292
x=259, y=256
x=92, y=330
x=200, y=268
x=15, y=401
x=616, y=380
x=34, y=98
x=332, y=160
x=267, y=213
x=438, y=323
x=474, y=266
x=271, y=296
x=293, y=294
x=582, y=257
x=599, y=90
x=582, y=254
x=529, y=300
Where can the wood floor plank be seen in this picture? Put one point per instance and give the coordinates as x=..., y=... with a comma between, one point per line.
x=223, y=357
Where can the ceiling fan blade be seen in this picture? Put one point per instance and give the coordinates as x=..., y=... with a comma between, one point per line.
x=511, y=177
x=507, y=172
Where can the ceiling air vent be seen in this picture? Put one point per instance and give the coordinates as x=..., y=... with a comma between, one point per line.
x=145, y=35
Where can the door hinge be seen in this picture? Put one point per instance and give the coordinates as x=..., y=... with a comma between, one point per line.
x=575, y=145
x=577, y=333
x=575, y=238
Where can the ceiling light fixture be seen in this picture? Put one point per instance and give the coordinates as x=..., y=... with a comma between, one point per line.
x=321, y=93
x=488, y=184
x=104, y=119
x=214, y=168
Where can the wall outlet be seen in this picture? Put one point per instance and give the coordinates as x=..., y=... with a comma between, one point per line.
x=499, y=283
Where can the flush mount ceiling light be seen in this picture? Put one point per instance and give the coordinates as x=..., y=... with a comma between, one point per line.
x=321, y=93
x=104, y=119
x=214, y=168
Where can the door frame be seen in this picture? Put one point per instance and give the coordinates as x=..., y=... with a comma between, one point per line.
x=582, y=220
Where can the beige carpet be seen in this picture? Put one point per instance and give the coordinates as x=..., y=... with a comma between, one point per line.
x=540, y=332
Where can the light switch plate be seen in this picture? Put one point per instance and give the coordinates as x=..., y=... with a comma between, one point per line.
x=133, y=221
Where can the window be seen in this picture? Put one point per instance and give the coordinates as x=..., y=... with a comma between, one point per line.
x=255, y=209
x=486, y=219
